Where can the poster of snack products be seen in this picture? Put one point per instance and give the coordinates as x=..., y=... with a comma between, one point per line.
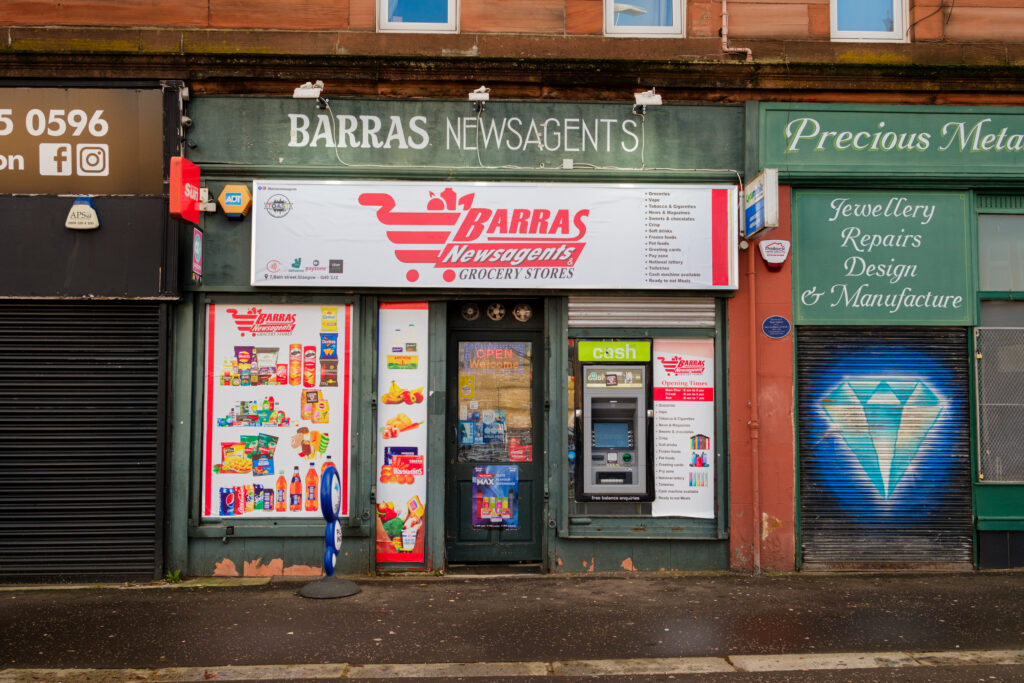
x=401, y=432
x=276, y=408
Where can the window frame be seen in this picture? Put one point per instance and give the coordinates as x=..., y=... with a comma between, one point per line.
x=676, y=30
x=899, y=33
x=384, y=25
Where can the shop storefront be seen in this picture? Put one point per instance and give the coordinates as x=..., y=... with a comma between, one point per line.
x=90, y=271
x=504, y=329
x=903, y=413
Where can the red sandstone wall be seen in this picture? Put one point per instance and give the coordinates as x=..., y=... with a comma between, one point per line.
x=965, y=21
x=775, y=387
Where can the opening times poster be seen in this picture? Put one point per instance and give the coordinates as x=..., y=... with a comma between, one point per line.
x=278, y=382
x=401, y=432
x=684, y=428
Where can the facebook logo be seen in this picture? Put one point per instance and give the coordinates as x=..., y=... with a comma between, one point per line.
x=54, y=158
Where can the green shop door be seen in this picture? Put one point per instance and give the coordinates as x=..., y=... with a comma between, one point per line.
x=494, y=457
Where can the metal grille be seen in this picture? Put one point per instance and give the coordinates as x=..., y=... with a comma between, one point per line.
x=999, y=369
x=607, y=311
x=1006, y=203
x=80, y=434
x=884, y=447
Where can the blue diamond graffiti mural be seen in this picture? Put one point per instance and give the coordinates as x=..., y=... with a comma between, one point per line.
x=883, y=421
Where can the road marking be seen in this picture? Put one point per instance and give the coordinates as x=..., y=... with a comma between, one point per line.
x=582, y=668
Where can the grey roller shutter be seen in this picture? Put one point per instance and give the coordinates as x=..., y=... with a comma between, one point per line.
x=884, y=447
x=81, y=432
x=608, y=311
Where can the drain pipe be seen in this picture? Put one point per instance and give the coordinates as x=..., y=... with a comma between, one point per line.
x=725, y=36
x=754, y=424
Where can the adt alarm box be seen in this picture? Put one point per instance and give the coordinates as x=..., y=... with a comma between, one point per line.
x=613, y=456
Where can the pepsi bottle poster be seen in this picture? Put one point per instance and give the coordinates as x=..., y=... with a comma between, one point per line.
x=496, y=497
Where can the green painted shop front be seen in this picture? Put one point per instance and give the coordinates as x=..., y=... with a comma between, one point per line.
x=419, y=371
x=906, y=224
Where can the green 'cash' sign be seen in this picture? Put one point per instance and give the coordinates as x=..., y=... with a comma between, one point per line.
x=881, y=258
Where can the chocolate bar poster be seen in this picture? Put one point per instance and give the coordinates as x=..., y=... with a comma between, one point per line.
x=276, y=408
x=401, y=432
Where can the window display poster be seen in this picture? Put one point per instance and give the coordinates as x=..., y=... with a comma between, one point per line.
x=401, y=432
x=684, y=428
x=496, y=497
x=276, y=408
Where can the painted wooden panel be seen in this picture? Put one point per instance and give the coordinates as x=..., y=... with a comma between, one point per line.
x=272, y=14
x=767, y=20
x=584, y=17
x=513, y=16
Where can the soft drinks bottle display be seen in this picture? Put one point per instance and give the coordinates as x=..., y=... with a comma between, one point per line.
x=312, y=481
x=295, y=493
x=280, y=505
x=327, y=463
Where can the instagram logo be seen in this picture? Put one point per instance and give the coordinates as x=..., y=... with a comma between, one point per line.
x=92, y=159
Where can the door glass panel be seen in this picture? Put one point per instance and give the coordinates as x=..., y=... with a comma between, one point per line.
x=495, y=402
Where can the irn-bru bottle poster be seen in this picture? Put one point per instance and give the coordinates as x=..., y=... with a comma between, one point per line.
x=496, y=497
x=401, y=432
x=684, y=428
x=276, y=408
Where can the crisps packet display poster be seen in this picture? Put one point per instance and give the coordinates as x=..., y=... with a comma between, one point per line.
x=684, y=428
x=276, y=408
x=401, y=432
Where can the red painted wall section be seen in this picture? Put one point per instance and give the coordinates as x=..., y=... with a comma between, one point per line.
x=775, y=387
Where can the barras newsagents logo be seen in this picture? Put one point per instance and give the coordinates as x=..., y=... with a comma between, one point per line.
x=278, y=205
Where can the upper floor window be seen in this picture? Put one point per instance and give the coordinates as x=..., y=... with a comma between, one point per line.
x=869, y=20
x=640, y=18
x=418, y=16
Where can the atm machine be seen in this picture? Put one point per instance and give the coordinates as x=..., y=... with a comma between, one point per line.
x=614, y=422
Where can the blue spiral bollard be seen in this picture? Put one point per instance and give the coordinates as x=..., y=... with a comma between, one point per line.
x=330, y=506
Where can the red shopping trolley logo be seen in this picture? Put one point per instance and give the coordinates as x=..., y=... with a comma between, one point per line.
x=255, y=321
x=680, y=366
x=452, y=234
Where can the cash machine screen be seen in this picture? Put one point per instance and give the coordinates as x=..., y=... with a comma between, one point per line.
x=611, y=435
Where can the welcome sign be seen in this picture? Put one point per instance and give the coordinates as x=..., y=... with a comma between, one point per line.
x=881, y=258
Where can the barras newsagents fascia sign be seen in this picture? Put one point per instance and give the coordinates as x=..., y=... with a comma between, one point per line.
x=862, y=139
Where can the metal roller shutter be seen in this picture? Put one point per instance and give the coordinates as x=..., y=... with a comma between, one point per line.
x=884, y=447
x=609, y=311
x=81, y=433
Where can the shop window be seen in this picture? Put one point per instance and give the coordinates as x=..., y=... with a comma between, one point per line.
x=418, y=16
x=869, y=20
x=643, y=18
x=1001, y=253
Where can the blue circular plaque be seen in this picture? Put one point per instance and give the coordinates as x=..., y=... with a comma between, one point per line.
x=776, y=327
